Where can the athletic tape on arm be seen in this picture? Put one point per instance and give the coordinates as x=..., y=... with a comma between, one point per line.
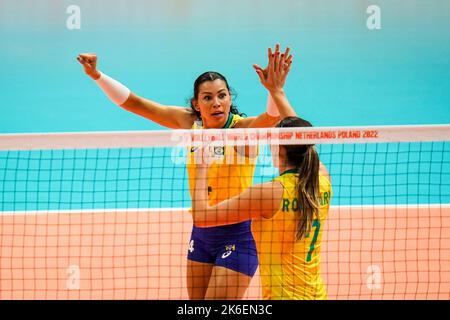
x=115, y=91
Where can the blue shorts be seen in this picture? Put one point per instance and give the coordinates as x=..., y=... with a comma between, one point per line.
x=231, y=246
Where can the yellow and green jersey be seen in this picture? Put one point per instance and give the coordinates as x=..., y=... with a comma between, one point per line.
x=290, y=268
x=229, y=175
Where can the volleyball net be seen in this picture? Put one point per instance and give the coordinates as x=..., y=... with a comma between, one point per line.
x=105, y=215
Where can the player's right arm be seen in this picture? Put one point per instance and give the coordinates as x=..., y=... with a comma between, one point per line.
x=168, y=116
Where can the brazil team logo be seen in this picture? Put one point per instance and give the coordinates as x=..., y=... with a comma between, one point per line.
x=219, y=151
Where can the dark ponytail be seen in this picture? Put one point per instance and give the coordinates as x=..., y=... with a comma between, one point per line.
x=307, y=163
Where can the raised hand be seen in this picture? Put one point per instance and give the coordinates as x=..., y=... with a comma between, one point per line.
x=89, y=63
x=274, y=76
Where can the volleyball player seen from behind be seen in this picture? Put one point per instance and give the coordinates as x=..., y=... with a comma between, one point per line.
x=288, y=213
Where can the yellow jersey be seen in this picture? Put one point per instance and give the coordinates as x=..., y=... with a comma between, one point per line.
x=230, y=174
x=290, y=268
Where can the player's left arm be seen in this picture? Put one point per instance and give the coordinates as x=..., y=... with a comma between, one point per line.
x=282, y=63
x=262, y=200
x=264, y=120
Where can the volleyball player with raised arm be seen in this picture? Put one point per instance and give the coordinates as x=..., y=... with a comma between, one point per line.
x=212, y=272
x=288, y=213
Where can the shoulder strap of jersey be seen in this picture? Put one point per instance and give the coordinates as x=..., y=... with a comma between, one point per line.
x=233, y=119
